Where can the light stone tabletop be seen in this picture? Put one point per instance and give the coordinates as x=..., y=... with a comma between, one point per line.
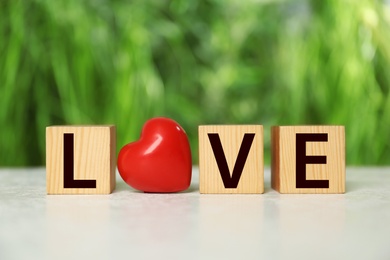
x=132, y=225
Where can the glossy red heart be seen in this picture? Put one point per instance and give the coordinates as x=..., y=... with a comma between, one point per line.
x=160, y=161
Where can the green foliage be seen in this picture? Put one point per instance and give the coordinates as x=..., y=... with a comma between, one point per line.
x=198, y=62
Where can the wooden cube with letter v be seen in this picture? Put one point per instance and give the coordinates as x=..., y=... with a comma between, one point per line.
x=80, y=159
x=231, y=159
x=308, y=159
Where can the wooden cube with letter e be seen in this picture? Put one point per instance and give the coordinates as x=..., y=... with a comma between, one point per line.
x=308, y=159
x=231, y=159
x=80, y=159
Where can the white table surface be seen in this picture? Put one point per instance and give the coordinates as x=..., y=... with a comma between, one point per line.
x=133, y=225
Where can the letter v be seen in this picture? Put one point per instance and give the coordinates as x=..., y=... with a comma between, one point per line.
x=231, y=181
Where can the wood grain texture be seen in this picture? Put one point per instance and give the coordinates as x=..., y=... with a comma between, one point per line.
x=283, y=172
x=94, y=158
x=231, y=137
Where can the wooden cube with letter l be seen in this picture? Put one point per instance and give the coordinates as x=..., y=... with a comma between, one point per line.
x=231, y=159
x=80, y=159
x=308, y=159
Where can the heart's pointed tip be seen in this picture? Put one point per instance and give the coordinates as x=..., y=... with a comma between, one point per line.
x=165, y=191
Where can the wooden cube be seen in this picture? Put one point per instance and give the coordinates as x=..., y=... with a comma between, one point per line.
x=308, y=159
x=80, y=159
x=231, y=159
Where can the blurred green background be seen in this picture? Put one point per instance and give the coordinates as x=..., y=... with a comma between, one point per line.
x=198, y=62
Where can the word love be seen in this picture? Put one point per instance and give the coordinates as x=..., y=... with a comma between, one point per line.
x=305, y=159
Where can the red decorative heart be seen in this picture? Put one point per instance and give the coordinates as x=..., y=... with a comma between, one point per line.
x=160, y=161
